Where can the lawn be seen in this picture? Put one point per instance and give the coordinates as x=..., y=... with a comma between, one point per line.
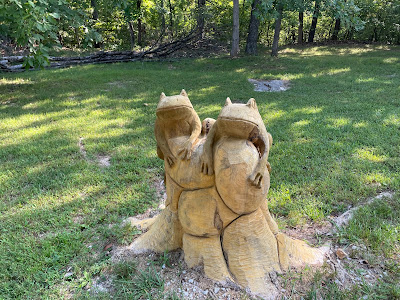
x=336, y=142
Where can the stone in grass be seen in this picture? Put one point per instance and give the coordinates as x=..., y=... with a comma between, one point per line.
x=340, y=253
x=270, y=85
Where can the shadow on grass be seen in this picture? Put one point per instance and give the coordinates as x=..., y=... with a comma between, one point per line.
x=336, y=135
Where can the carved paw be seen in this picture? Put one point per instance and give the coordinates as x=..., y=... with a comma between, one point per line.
x=256, y=177
x=207, y=166
x=170, y=159
x=186, y=151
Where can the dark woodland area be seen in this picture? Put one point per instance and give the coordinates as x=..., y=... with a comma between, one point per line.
x=40, y=30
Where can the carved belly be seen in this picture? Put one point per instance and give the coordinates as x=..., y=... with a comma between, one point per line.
x=234, y=161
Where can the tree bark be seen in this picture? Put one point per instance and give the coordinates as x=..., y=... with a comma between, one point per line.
x=252, y=37
x=171, y=23
x=278, y=22
x=132, y=34
x=95, y=14
x=235, y=29
x=201, y=4
x=336, y=30
x=300, y=30
x=163, y=29
x=314, y=22
x=139, y=21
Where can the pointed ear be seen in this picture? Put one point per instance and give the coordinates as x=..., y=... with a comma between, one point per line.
x=252, y=103
x=228, y=101
x=162, y=96
x=183, y=93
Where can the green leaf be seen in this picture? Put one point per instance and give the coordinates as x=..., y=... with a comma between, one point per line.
x=55, y=15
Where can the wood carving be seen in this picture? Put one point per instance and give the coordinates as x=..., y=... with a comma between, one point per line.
x=217, y=180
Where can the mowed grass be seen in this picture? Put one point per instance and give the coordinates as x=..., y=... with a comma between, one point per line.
x=336, y=142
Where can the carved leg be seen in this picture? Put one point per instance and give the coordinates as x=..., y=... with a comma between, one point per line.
x=206, y=251
x=296, y=253
x=164, y=234
x=173, y=193
x=252, y=253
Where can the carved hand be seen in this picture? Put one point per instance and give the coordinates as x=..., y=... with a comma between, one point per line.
x=256, y=177
x=206, y=162
x=186, y=150
x=170, y=159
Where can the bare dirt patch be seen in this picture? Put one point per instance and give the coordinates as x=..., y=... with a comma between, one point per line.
x=101, y=160
x=346, y=266
x=182, y=281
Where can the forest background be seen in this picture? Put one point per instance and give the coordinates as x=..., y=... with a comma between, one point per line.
x=38, y=27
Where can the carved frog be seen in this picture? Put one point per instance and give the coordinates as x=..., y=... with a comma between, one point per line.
x=176, y=118
x=241, y=121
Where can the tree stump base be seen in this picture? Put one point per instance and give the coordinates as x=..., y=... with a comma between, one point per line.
x=216, y=209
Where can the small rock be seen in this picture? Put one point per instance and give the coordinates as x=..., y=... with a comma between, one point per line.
x=183, y=272
x=186, y=294
x=216, y=290
x=190, y=280
x=340, y=253
x=367, y=276
x=145, y=104
x=108, y=247
x=354, y=247
x=163, y=266
x=205, y=292
x=283, y=290
x=365, y=297
x=69, y=274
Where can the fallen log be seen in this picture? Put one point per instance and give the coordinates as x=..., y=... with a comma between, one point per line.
x=7, y=64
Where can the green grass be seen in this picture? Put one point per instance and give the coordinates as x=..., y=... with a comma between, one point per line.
x=336, y=142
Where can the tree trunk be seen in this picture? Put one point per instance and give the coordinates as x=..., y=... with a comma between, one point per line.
x=300, y=30
x=267, y=36
x=252, y=37
x=77, y=39
x=132, y=34
x=171, y=23
x=336, y=30
x=222, y=223
x=235, y=29
x=139, y=23
x=278, y=22
x=314, y=22
x=162, y=21
x=201, y=4
x=95, y=14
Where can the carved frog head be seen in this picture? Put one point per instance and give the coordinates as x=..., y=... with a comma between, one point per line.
x=243, y=121
x=176, y=107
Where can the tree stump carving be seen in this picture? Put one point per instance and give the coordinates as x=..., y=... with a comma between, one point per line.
x=217, y=180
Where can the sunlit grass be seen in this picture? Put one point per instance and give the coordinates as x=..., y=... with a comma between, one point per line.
x=336, y=142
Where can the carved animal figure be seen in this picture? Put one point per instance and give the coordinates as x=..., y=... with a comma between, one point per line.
x=176, y=118
x=242, y=121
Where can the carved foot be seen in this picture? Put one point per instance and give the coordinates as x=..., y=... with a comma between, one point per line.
x=206, y=251
x=165, y=234
x=252, y=254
